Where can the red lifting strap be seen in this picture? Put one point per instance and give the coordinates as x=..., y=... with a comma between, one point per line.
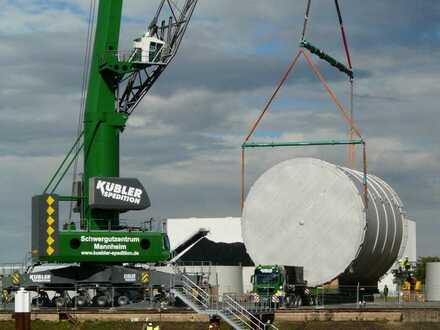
x=344, y=38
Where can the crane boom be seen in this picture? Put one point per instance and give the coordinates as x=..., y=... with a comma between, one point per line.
x=101, y=195
x=139, y=82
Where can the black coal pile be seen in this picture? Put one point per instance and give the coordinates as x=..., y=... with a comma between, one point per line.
x=221, y=254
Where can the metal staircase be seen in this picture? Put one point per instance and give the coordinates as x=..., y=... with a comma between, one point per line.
x=239, y=315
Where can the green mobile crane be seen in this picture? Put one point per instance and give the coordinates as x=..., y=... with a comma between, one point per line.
x=103, y=249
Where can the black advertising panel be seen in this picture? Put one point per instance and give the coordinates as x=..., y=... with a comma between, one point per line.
x=122, y=194
x=44, y=225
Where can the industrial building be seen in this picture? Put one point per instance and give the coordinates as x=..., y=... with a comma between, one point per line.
x=233, y=272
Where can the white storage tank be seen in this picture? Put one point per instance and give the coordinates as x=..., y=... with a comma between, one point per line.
x=310, y=213
x=432, y=281
x=229, y=279
x=248, y=271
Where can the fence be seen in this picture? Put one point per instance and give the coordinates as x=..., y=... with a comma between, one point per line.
x=153, y=297
x=345, y=296
x=122, y=224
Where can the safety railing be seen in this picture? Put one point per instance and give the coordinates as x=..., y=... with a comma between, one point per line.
x=9, y=268
x=199, y=292
x=201, y=270
x=111, y=225
x=234, y=309
x=196, y=292
x=118, y=55
x=135, y=56
x=240, y=313
x=347, y=296
x=254, y=304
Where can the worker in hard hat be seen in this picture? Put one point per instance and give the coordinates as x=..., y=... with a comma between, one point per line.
x=401, y=264
x=280, y=294
x=214, y=323
x=406, y=264
x=195, y=294
x=150, y=326
x=5, y=296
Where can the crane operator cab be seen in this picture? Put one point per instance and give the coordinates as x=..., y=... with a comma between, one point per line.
x=148, y=48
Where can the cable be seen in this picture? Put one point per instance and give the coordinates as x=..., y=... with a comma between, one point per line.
x=306, y=19
x=344, y=38
x=84, y=86
x=272, y=97
x=351, y=148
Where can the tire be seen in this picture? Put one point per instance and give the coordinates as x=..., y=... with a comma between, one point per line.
x=101, y=301
x=122, y=301
x=80, y=301
x=59, y=302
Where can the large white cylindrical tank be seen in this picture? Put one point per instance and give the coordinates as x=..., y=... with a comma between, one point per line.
x=248, y=271
x=229, y=279
x=310, y=213
x=432, y=281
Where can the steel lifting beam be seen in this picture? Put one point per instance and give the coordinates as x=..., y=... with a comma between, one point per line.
x=299, y=143
x=324, y=56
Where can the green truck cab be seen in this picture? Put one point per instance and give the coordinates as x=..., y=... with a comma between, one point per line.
x=281, y=285
x=267, y=280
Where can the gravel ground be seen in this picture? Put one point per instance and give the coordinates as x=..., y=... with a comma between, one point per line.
x=41, y=325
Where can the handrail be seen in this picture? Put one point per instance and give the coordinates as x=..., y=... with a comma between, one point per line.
x=259, y=323
x=199, y=290
x=242, y=317
x=228, y=308
x=237, y=316
x=243, y=311
x=203, y=303
x=192, y=283
x=99, y=224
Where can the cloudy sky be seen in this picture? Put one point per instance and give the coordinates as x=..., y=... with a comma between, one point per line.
x=184, y=140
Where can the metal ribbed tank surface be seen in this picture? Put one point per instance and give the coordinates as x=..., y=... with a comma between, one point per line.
x=310, y=213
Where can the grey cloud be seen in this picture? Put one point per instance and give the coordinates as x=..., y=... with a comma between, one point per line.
x=183, y=141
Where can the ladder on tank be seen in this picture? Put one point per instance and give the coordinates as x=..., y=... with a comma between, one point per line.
x=238, y=315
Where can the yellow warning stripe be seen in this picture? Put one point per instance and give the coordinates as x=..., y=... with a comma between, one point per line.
x=50, y=222
x=145, y=277
x=15, y=277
